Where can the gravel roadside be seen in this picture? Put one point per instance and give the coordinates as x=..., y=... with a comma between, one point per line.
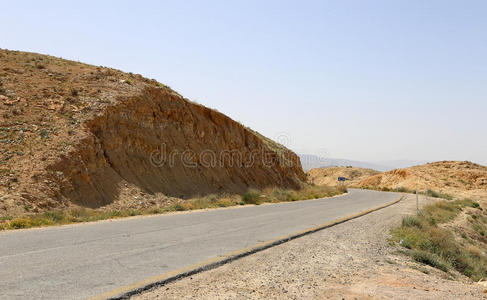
x=352, y=260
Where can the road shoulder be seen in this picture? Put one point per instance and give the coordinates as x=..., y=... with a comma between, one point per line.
x=349, y=260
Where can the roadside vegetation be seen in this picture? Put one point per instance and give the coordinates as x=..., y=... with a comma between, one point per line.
x=429, y=193
x=252, y=196
x=429, y=241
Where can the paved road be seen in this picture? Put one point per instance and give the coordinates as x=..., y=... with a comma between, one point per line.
x=78, y=261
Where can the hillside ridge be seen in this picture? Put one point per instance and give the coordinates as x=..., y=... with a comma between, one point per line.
x=460, y=178
x=76, y=134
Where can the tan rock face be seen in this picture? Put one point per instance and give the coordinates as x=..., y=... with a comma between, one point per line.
x=89, y=134
x=329, y=176
x=163, y=143
x=459, y=178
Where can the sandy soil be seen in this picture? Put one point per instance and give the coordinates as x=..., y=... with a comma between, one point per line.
x=329, y=176
x=349, y=261
x=459, y=178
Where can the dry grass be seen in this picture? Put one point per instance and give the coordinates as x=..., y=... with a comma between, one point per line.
x=437, y=246
x=269, y=195
x=429, y=193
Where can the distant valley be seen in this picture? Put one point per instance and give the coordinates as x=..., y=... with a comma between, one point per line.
x=309, y=161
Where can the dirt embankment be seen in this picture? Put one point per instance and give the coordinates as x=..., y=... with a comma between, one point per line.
x=76, y=134
x=458, y=178
x=329, y=176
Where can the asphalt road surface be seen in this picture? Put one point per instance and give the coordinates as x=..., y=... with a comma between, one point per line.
x=83, y=260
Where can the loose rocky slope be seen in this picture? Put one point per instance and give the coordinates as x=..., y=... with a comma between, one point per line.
x=76, y=134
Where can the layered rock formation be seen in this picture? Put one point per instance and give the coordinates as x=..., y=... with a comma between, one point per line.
x=85, y=135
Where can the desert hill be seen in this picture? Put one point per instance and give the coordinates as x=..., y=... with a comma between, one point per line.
x=459, y=178
x=77, y=134
x=329, y=176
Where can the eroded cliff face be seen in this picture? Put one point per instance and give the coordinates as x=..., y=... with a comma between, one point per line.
x=76, y=134
x=162, y=143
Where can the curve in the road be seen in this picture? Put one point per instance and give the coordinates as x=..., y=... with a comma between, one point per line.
x=76, y=262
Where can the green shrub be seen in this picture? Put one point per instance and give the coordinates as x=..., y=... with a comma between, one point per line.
x=429, y=259
x=54, y=216
x=444, y=211
x=251, y=197
x=133, y=212
x=437, y=246
x=114, y=214
x=80, y=212
x=434, y=194
x=479, y=229
x=179, y=207
x=411, y=221
x=20, y=223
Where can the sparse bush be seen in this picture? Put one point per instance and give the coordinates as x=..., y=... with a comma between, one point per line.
x=20, y=223
x=224, y=202
x=179, y=207
x=54, y=216
x=444, y=211
x=479, y=229
x=429, y=259
x=79, y=212
x=437, y=246
x=133, y=212
x=411, y=221
x=475, y=205
x=156, y=211
x=251, y=197
x=435, y=194
x=114, y=214
x=281, y=195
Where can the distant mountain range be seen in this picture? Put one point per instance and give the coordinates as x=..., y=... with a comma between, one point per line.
x=309, y=161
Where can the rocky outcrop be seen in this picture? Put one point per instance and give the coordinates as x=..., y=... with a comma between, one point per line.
x=161, y=142
x=72, y=133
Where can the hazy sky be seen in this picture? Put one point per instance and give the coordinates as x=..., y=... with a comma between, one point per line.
x=364, y=80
